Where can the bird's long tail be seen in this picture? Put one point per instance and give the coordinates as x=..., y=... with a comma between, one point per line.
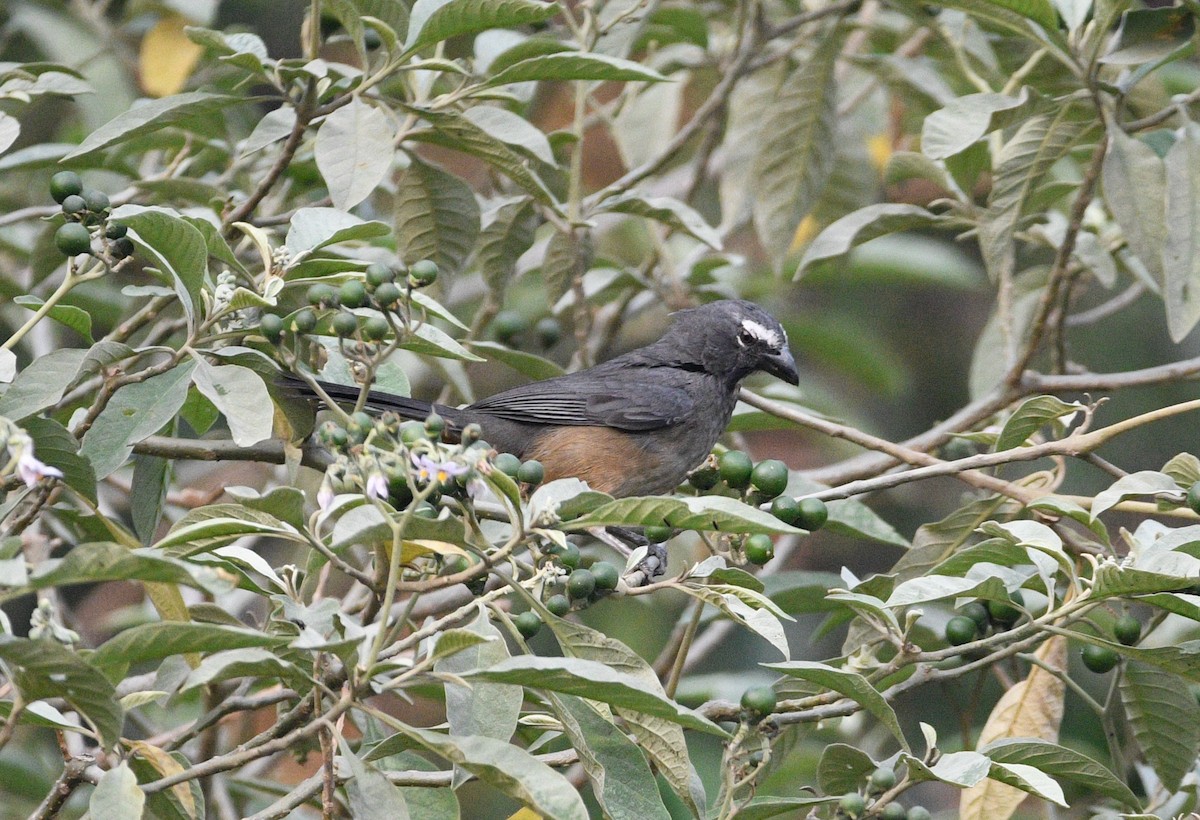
x=377, y=400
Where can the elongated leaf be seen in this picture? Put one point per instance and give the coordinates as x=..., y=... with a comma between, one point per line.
x=1135, y=185
x=796, y=157
x=706, y=513
x=354, y=152
x=527, y=364
x=850, y=684
x=437, y=216
x=573, y=65
x=105, y=561
x=665, y=209
x=1181, y=249
x=1143, y=482
x=372, y=795
x=311, y=229
x=78, y=319
x=117, y=795
x=965, y=121
x=48, y=377
x=512, y=130
x=1063, y=763
x=207, y=533
x=433, y=341
x=432, y=21
x=843, y=768
x=252, y=662
x=151, y=116
x=135, y=412
x=1165, y=719
x=508, y=235
x=58, y=448
x=148, y=642
x=241, y=396
x=1029, y=418
x=761, y=620
x=863, y=225
x=176, y=248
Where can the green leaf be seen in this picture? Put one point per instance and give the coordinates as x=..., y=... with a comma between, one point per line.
x=1151, y=35
x=78, y=319
x=508, y=768
x=1184, y=468
x=1063, y=764
x=437, y=216
x=488, y=709
x=937, y=587
x=1143, y=482
x=764, y=808
x=966, y=120
x=843, y=768
x=1135, y=190
x=117, y=796
x=105, y=561
x=1165, y=718
x=574, y=65
x=241, y=396
x=433, y=341
x=513, y=130
x=527, y=364
x=508, y=235
x=252, y=662
x=151, y=116
x=962, y=769
x=155, y=641
x=311, y=229
x=371, y=795
x=55, y=446
x=850, y=684
x=565, y=260
x=135, y=412
x=1029, y=780
x=1029, y=418
x=863, y=225
x=668, y=211
x=42, y=383
x=798, y=148
x=192, y=533
x=757, y=617
x=1181, y=247
x=433, y=21
x=595, y=681
x=43, y=669
x=175, y=247
x=704, y=513
x=354, y=150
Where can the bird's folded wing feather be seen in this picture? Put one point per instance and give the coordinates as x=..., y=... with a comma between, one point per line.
x=622, y=403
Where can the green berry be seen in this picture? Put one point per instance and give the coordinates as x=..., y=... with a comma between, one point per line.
x=759, y=549
x=371, y=39
x=423, y=273
x=581, y=584
x=704, y=479
x=759, y=700
x=852, y=804
x=271, y=326
x=97, y=201
x=304, y=321
x=528, y=624
x=1006, y=614
x=321, y=295
x=736, y=468
x=1193, y=497
x=114, y=229
x=1099, y=659
x=352, y=294
x=658, y=535
x=411, y=432
x=507, y=324
x=786, y=509
x=569, y=557
x=379, y=274
x=893, y=811
x=344, y=324
x=74, y=204
x=531, y=472
x=72, y=238
x=548, y=331
x=919, y=813
x=770, y=477
x=977, y=612
x=375, y=328
x=471, y=434
x=121, y=247
x=387, y=295
x=607, y=575
x=65, y=184
x=559, y=605
x=434, y=425
x=960, y=630
x=882, y=779
x=360, y=426
x=1128, y=630
x=813, y=514
x=508, y=464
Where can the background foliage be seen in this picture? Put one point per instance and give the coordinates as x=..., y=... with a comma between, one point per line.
x=976, y=219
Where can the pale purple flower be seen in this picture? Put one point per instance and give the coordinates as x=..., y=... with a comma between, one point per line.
x=31, y=471
x=440, y=471
x=377, y=487
x=325, y=495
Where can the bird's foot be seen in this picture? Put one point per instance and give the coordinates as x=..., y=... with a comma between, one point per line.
x=651, y=564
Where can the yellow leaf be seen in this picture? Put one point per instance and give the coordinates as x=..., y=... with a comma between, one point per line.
x=167, y=57
x=879, y=148
x=166, y=765
x=1032, y=708
x=525, y=814
x=415, y=548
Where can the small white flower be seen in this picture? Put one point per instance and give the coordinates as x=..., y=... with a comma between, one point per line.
x=377, y=487
x=325, y=495
x=31, y=471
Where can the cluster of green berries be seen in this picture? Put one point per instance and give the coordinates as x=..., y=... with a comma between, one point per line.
x=380, y=288
x=854, y=804
x=582, y=586
x=509, y=326
x=530, y=473
x=976, y=618
x=84, y=209
x=1100, y=659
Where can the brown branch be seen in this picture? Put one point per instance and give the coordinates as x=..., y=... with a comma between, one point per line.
x=271, y=451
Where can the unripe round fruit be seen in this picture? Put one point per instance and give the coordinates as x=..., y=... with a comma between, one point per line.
x=344, y=324
x=352, y=294
x=736, y=468
x=1128, y=629
x=65, y=184
x=978, y=613
x=882, y=779
x=569, y=557
x=304, y=321
x=271, y=326
x=1099, y=659
x=378, y=274
x=434, y=425
x=786, y=509
x=320, y=295
x=422, y=273
x=658, y=535
x=760, y=700
x=507, y=324
x=919, y=813
x=1006, y=614
x=960, y=630
x=704, y=479
x=759, y=549
x=121, y=247
x=72, y=238
x=114, y=229
x=411, y=432
x=375, y=328
x=360, y=426
x=813, y=514
x=528, y=624
x=558, y=605
x=893, y=811
x=1193, y=497
x=531, y=472
x=97, y=201
x=852, y=804
x=770, y=477
x=581, y=584
x=606, y=574
x=471, y=433
x=548, y=331
x=387, y=295
x=74, y=204
x=508, y=464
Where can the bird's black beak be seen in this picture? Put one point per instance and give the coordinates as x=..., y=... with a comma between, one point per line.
x=781, y=365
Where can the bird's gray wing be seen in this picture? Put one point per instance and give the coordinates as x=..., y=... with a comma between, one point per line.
x=586, y=399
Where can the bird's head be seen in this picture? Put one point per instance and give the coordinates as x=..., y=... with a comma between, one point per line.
x=733, y=338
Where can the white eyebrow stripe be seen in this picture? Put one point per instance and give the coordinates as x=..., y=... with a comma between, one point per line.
x=763, y=333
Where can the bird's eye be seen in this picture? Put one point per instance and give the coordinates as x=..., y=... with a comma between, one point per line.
x=745, y=337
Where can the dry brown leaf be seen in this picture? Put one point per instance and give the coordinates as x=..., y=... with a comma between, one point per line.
x=167, y=57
